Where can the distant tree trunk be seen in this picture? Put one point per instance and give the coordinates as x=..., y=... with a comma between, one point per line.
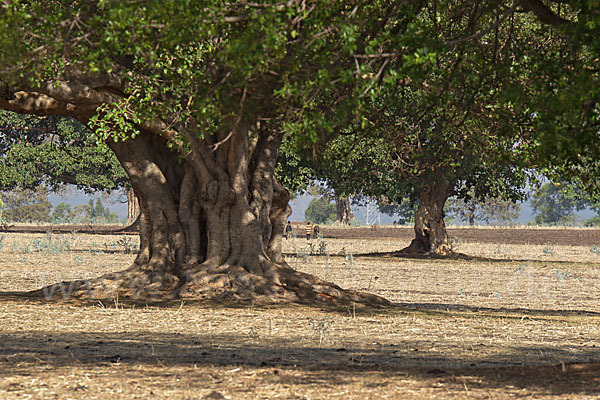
x=133, y=205
x=430, y=229
x=343, y=210
x=471, y=209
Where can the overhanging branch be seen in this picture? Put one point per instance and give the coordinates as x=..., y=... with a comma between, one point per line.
x=543, y=12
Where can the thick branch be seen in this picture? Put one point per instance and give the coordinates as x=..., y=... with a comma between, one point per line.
x=543, y=13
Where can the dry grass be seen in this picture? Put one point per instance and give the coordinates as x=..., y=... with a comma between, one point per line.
x=510, y=321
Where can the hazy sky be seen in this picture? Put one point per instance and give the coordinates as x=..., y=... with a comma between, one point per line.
x=117, y=203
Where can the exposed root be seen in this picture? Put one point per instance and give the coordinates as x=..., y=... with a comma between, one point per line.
x=280, y=284
x=441, y=250
x=417, y=247
x=284, y=286
x=132, y=283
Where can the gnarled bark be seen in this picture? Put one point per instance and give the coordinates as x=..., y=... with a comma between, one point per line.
x=343, y=210
x=212, y=214
x=133, y=205
x=430, y=229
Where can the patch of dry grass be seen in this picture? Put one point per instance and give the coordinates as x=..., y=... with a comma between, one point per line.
x=516, y=323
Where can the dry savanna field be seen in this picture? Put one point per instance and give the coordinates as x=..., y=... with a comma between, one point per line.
x=516, y=315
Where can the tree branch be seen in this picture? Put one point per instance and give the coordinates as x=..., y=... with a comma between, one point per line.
x=490, y=28
x=543, y=12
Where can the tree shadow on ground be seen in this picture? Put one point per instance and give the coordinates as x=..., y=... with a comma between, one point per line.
x=21, y=352
x=569, y=370
x=449, y=310
x=501, y=312
x=451, y=257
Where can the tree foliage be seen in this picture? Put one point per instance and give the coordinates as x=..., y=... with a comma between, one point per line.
x=53, y=151
x=320, y=211
x=553, y=205
x=294, y=173
x=26, y=205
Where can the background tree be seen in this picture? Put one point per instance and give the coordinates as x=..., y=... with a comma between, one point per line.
x=404, y=211
x=378, y=167
x=466, y=210
x=490, y=210
x=26, y=205
x=321, y=211
x=98, y=213
x=595, y=220
x=553, y=205
x=343, y=212
x=354, y=167
x=501, y=212
x=442, y=132
x=53, y=151
x=61, y=213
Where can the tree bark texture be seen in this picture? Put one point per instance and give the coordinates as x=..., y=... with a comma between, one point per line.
x=431, y=236
x=212, y=215
x=344, y=212
x=133, y=205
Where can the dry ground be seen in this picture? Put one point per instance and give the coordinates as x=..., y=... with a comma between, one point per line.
x=509, y=321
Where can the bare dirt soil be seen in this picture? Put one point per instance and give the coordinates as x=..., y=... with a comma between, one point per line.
x=509, y=320
x=564, y=236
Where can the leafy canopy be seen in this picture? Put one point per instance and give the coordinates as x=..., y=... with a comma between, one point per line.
x=320, y=211
x=53, y=151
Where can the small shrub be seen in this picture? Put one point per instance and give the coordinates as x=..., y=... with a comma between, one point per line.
x=125, y=243
x=322, y=246
x=52, y=244
x=350, y=259
x=562, y=275
x=521, y=269
x=548, y=250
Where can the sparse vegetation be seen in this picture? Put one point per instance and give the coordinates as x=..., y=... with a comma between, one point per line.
x=53, y=243
x=548, y=250
x=454, y=313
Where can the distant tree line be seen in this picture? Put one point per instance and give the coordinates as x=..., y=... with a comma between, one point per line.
x=552, y=204
x=32, y=205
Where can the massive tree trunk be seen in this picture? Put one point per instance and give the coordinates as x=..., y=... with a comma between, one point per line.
x=430, y=230
x=212, y=212
x=344, y=212
x=212, y=223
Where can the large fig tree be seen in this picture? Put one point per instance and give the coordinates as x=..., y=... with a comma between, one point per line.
x=194, y=98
